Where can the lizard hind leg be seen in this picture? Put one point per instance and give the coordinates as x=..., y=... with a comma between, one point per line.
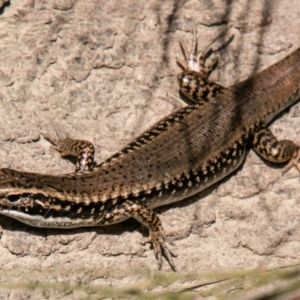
x=271, y=149
x=193, y=81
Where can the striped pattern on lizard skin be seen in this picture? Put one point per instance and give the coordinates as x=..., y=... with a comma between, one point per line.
x=179, y=156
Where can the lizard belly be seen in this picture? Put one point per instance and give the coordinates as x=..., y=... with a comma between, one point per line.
x=198, y=181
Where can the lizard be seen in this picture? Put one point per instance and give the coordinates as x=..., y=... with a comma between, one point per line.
x=181, y=155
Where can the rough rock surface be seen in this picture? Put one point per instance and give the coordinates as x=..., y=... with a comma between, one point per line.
x=104, y=71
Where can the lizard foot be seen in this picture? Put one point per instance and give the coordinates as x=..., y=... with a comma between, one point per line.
x=195, y=60
x=294, y=162
x=158, y=240
x=148, y=218
x=193, y=81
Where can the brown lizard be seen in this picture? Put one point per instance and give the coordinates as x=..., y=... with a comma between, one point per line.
x=179, y=156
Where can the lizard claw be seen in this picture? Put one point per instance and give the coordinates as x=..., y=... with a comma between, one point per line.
x=157, y=239
x=193, y=81
x=195, y=60
x=294, y=162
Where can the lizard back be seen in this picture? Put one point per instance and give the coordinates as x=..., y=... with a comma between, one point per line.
x=184, y=153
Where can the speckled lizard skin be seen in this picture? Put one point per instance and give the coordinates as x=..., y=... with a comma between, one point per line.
x=179, y=156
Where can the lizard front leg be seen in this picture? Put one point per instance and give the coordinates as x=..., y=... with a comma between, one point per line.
x=267, y=146
x=148, y=218
x=83, y=150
